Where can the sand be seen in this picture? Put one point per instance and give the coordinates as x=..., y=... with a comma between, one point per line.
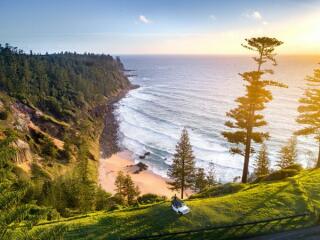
x=147, y=181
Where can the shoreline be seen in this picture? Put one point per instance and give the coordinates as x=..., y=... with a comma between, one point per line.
x=146, y=180
x=108, y=140
x=113, y=159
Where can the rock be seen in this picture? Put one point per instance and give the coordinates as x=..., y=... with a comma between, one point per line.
x=141, y=167
x=23, y=153
x=144, y=155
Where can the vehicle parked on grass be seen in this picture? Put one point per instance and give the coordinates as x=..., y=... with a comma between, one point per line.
x=179, y=206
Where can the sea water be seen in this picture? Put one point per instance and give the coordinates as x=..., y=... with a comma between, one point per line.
x=196, y=92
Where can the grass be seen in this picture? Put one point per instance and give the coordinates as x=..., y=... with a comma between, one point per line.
x=254, y=202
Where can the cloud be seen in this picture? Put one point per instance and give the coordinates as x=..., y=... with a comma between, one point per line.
x=144, y=19
x=256, y=15
x=212, y=17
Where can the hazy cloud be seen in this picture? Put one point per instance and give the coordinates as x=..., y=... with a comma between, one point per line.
x=212, y=17
x=144, y=19
x=256, y=15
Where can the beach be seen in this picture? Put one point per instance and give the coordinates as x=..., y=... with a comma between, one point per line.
x=147, y=181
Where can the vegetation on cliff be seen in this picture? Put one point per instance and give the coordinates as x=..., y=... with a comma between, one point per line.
x=55, y=105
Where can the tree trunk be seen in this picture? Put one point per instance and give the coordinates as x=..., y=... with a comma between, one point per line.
x=245, y=170
x=182, y=192
x=318, y=162
x=182, y=179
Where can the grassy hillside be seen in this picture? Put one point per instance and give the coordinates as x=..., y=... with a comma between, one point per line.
x=253, y=202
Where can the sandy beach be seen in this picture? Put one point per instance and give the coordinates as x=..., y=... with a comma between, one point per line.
x=147, y=181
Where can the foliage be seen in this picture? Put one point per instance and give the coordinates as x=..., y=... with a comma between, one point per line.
x=17, y=217
x=202, y=180
x=59, y=83
x=309, y=109
x=102, y=199
x=3, y=115
x=288, y=154
x=253, y=202
x=245, y=117
x=126, y=188
x=150, y=198
x=182, y=170
x=280, y=174
x=262, y=163
x=219, y=190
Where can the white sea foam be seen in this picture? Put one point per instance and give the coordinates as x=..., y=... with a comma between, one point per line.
x=196, y=93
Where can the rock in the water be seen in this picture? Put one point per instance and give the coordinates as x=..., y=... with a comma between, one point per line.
x=141, y=167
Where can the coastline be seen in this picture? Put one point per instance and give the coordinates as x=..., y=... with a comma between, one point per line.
x=113, y=159
x=147, y=181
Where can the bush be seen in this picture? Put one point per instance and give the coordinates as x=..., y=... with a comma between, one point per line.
x=280, y=174
x=53, y=214
x=102, y=198
x=295, y=166
x=3, y=115
x=219, y=190
x=150, y=198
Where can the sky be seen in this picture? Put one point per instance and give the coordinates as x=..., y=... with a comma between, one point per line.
x=159, y=26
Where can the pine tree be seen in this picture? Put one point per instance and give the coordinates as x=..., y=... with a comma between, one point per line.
x=200, y=180
x=211, y=175
x=310, y=110
x=246, y=117
x=131, y=191
x=183, y=167
x=126, y=188
x=13, y=210
x=262, y=162
x=288, y=154
x=119, y=183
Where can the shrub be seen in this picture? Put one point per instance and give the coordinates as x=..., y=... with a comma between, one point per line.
x=150, y=198
x=20, y=173
x=3, y=115
x=102, y=199
x=295, y=166
x=53, y=214
x=219, y=190
x=280, y=174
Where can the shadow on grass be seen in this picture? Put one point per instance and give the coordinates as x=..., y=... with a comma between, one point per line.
x=161, y=219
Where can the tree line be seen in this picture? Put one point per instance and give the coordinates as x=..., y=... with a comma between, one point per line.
x=59, y=83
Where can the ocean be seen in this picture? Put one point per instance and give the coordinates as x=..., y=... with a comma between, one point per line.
x=196, y=92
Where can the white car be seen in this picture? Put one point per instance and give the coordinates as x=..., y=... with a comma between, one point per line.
x=179, y=207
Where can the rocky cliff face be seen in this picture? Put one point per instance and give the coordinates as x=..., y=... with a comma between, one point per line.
x=23, y=152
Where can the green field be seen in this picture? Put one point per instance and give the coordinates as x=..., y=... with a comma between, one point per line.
x=255, y=202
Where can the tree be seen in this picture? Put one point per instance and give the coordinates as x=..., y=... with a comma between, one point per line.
x=211, y=175
x=200, y=180
x=183, y=167
x=309, y=110
x=288, y=154
x=131, y=191
x=246, y=117
x=119, y=183
x=13, y=209
x=126, y=188
x=262, y=162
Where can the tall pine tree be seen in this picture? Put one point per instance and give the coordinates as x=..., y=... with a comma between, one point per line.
x=262, y=162
x=309, y=110
x=288, y=154
x=246, y=117
x=182, y=169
